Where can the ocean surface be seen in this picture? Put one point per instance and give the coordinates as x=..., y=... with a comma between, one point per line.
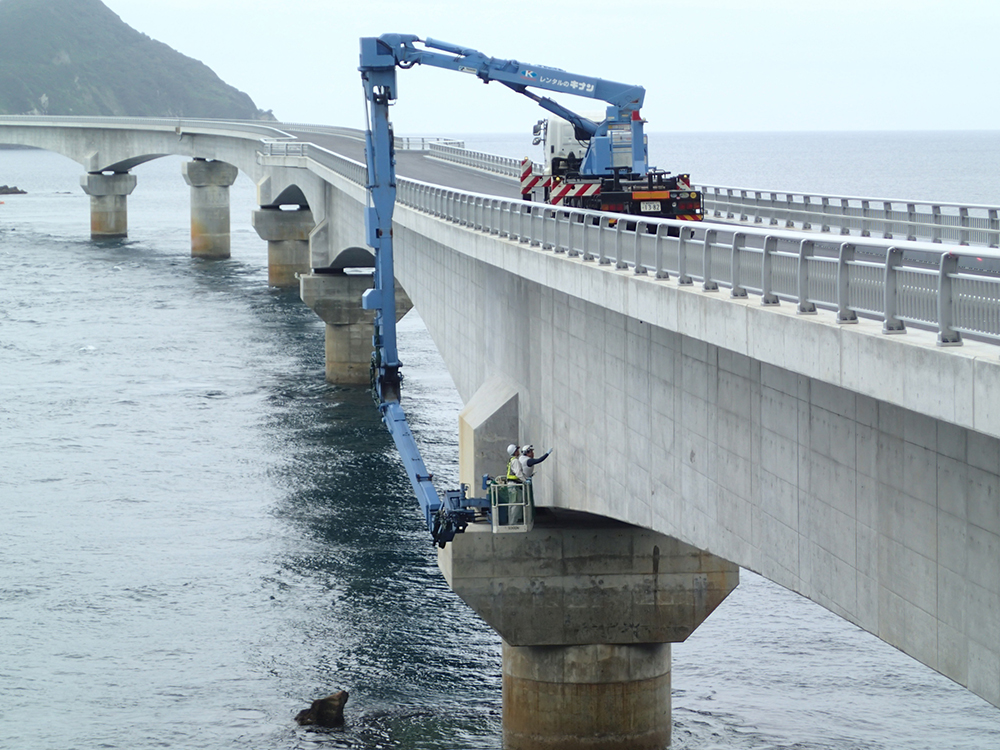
x=199, y=536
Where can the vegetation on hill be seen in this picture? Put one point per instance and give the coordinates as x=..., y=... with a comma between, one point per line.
x=77, y=57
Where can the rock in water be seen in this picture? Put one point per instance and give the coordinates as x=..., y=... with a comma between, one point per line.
x=325, y=712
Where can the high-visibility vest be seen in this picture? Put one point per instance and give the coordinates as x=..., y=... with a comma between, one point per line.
x=511, y=476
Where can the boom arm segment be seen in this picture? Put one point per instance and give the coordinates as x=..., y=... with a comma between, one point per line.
x=445, y=517
x=625, y=99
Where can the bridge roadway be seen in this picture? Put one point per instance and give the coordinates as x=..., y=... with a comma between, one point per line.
x=417, y=165
x=857, y=468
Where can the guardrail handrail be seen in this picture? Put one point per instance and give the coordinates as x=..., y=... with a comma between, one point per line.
x=503, y=165
x=237, y=128
x=891, y=218
x=931, y=221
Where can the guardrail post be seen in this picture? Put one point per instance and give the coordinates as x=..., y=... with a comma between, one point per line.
x=602, y=257
x=887, y=220
x=963, y=219
x=846, y=257
x=662, y=235
x=825, y=209
x=715, y=211
x=768, y=297
x=620, y=263
x=947, y=335
x=571, y=246
x=789, y=211
x=708, y=284
x=743, y=205
x=683, y=278
x=805, y=252
x=891, y=323
x=640, y=230
x=588, y=233
x=994, y=220
x=774, y=207
x=737, y=291
x=806, y=210
x=729, y=203
x=547, y=213
x=845, y=216
x=911, y=222
x=866, y=214
x=557, y=232
x=936, y=223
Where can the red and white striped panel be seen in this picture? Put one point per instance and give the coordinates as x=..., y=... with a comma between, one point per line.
x=574, y=190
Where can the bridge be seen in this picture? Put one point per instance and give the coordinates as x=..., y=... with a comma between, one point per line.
x=803, y=386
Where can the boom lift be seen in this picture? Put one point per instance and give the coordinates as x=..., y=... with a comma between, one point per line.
x=613, y=167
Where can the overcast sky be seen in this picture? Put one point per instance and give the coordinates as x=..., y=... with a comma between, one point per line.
x=706, y=65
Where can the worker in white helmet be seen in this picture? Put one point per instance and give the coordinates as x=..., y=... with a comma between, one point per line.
x=528, y=461
x=515, y=470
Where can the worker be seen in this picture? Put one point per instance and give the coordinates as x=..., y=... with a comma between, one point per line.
x=528, y=461
x=515, y=469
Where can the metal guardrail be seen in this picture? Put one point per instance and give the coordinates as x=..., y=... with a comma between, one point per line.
x=236, y=128
x=898, y=282
x=863, y=217
x=935, y=222
x=503, y=165
x=426, y=143
x=913, y=283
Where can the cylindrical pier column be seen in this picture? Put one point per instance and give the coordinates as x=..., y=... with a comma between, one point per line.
x=287, y=235
x=209, y=181
x=108, y=203
x=596, y=697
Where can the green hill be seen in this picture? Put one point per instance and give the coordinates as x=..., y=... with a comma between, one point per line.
x=77, y=57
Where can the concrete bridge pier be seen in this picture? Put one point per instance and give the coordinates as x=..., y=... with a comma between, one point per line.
x=287, y=235
x=210, y=182
x=108, y=203
x=587, y=606
x=336, y=297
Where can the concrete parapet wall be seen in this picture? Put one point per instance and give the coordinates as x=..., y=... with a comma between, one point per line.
x=858, y=469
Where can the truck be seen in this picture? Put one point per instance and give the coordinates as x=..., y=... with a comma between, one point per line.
x=567, y=177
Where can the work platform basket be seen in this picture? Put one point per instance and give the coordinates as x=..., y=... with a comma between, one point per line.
x=512, y=506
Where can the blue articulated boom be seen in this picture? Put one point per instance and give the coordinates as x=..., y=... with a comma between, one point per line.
x=450, y=515
x=379, y=59
x=624, y=100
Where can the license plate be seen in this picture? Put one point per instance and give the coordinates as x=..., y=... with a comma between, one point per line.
x=648, y=207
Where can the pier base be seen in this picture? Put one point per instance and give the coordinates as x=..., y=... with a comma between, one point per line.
x=210, y=182
x=108, y=203
x=287, y=235
x=596, y=697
